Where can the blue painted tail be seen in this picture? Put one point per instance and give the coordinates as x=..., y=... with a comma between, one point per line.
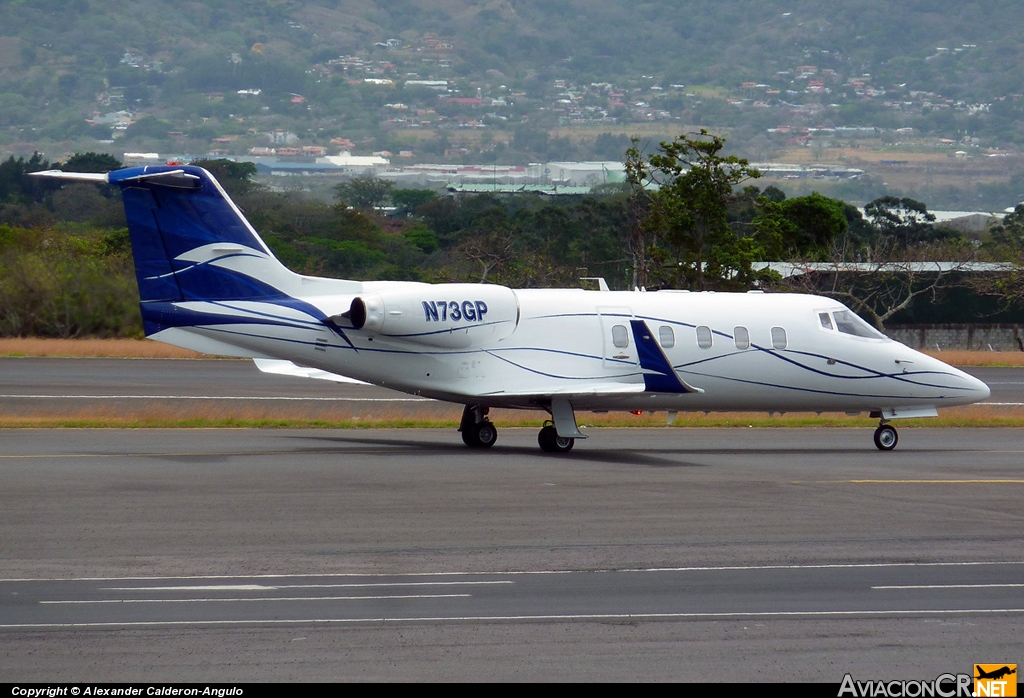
x=190, y=241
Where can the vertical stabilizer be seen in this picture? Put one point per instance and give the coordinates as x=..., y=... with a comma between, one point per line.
x=191, y=242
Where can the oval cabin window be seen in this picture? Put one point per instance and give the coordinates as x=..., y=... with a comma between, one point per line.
x=704, y=337
x=620, y=337
x=742, y=337
x=779, y=338
x=667, y=337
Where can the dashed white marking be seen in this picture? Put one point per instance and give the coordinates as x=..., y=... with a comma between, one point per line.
x=262, y=587
x=265, y=598
x=950, y=586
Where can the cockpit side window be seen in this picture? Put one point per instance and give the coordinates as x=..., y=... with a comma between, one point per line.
x=826, y=320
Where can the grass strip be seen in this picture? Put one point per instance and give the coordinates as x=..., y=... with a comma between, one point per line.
x=975, y=416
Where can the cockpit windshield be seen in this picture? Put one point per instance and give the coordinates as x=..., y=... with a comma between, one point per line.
x=848, y=322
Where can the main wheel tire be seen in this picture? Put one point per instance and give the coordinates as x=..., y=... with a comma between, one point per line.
x=485, y=434
x=480, y=435
x=886, y=438
x=551, y=442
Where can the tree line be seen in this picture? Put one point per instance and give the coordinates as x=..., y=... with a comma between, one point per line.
x=688, y=217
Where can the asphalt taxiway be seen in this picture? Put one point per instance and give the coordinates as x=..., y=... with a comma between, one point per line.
x=713, y=554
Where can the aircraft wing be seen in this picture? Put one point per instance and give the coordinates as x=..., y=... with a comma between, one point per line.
x=287, y=368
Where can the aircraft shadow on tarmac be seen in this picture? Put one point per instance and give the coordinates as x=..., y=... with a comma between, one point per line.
x=610, y=455
x=647, y=455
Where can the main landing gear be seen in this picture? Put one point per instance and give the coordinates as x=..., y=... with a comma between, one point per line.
x=551, y=442
x=477, y=430
x=558, y=435
x=886, y=437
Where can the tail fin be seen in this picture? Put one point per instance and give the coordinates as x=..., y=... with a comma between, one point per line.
x=191, y=242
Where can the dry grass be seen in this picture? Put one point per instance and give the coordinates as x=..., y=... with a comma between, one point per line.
x=979, y=358
x=93, y=348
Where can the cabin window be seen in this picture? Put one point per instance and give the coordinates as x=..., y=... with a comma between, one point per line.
x=620, y=337
x=826, y=320
x=742, y=337
x=667, y=337
x=704, y=337
x=848, y=322
x=779, y=337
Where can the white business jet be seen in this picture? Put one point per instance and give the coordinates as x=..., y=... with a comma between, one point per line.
x=208, y=282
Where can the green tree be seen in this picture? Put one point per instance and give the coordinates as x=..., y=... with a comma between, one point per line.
x=905, y=221
x=803, y=227
x=16, y=187
x=235, y=177
x=91, y=162
x=148, y=127
x=682, y=237
x=365, y=192
x=1009, y=232
x=406, y=201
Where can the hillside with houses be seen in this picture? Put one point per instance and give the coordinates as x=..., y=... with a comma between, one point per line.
x=510, y=82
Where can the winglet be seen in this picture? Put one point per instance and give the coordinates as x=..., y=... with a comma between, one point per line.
x=659, y=376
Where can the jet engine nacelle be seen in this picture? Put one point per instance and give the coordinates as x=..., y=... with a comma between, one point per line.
x=440, y=315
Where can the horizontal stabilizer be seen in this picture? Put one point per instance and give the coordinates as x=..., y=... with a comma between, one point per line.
x=287, y=368
x=78, y=176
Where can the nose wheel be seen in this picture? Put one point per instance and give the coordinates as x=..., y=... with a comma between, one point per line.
x=886, y=437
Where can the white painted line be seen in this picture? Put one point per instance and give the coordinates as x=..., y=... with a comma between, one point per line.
x=261, y=587
x=537, y=618
x=466, y=573
x=216, y=397
x=952, y=586
x=267, y=598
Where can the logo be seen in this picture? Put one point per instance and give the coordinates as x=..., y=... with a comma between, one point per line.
x=943, y=686
x=995, y=680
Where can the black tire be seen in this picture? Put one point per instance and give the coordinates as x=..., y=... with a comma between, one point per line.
x=480, y=435
x=551, y=442
x=886, y=438
x=485, y=434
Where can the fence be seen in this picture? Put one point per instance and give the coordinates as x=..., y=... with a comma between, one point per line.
x=994, y=337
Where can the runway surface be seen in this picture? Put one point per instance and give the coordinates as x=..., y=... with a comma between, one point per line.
x=653, y=554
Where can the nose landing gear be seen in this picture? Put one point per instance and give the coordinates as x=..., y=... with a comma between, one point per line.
x=886, y=437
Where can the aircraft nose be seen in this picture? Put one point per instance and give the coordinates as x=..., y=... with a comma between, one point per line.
x=980, y=391
x=976, y=390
